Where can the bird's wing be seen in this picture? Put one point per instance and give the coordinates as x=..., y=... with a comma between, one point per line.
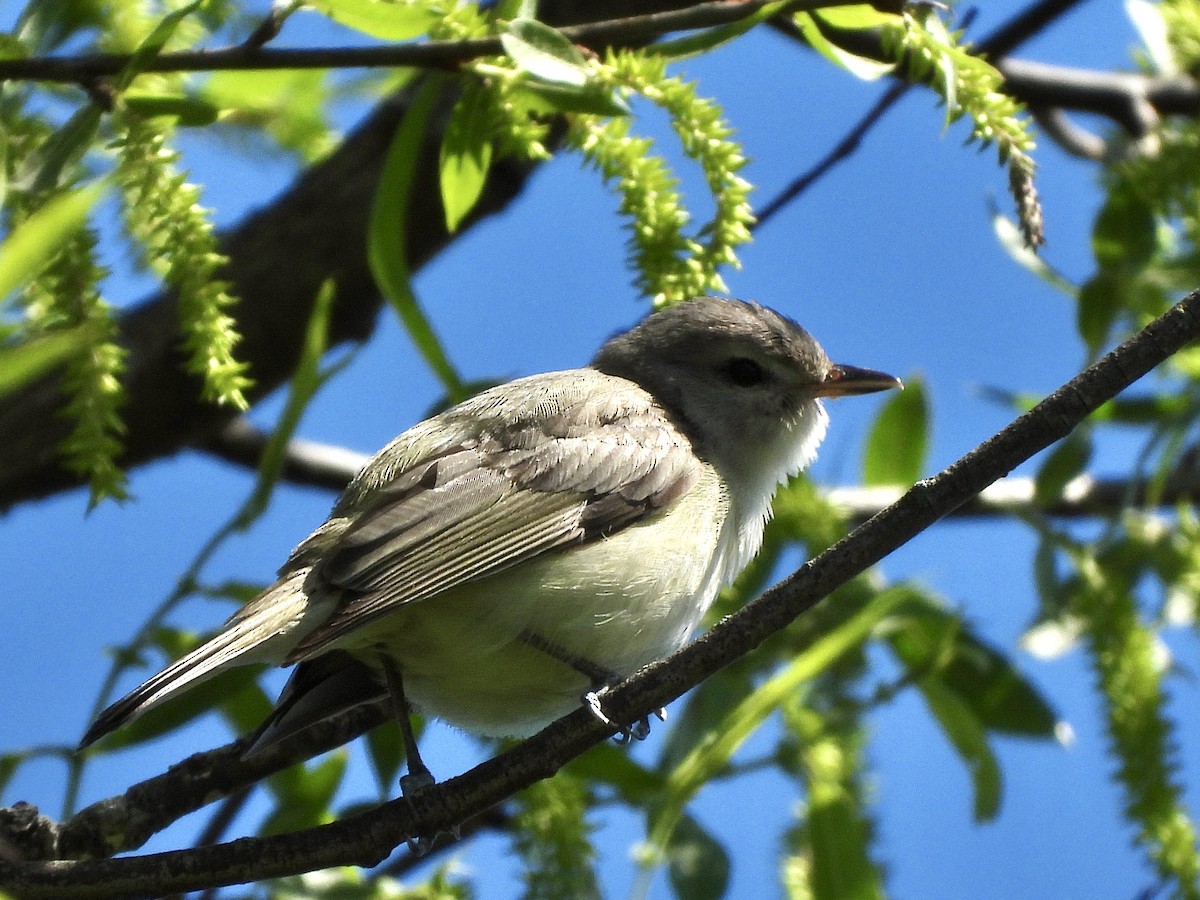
x=559, y=475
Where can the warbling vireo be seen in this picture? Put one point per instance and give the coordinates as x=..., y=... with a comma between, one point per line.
x=543, y=539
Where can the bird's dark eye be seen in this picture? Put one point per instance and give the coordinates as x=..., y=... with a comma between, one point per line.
x=745, y=372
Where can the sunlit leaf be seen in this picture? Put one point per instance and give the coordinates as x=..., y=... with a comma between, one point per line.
x=398, y=21
x=34, y=242
x=544, y=53
x=898, y=443
x=387, y=245
x=545, y=97
x=968, y=736
x=466, y=154
x=858, y=66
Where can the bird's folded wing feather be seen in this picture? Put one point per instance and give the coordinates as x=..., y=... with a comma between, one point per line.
x=492, y=501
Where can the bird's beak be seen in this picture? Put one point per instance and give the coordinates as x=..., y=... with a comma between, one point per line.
x=841, y=381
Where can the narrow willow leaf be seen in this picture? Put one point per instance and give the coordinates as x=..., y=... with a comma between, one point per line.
x=857, y=17
x=387, y=246
x=967, y=735
x=34, y=242
x=466, y=154
x=43, y=170
x=22, y=363
x=226, y=690
x=386, y=21
x=548, y=97
x=544, y=53
x=153, y=44
x=709, y=38
x=858, y=66
x=714, y=753
x=1012, y=241
x=899, y=440
x=1125, y=233
x=836, y=828
x=304, y=384
x=697, y=863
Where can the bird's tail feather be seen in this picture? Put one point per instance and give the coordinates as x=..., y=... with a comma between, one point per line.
x=262, y=631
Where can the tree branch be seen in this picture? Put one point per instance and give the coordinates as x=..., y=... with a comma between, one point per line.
x=447, y=55
x=368, y=838
x=331, y=467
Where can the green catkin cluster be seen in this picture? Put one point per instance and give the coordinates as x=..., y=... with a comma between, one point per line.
x=970, y=86
x=163, y=214
x=672, y=265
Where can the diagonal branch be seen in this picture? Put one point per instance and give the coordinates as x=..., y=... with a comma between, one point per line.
x=368, y=838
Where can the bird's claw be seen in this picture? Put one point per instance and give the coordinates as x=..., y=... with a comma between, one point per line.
x=626, y=734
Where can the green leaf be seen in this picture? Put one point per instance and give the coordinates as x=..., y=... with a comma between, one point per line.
x=34, y=242
x=837, y=830
x=305, y=383
x=545, y=98
x=221, y=692
x=387, y=239
x=153, y=44
x=516, y=9
x=614, y=766
x=899, y=439
x=1064, y=463
x=713, y=753
x=387, y=21
x=9, y=763
x=967, y=735
x=1125, y=234
x=466, y=154
x=185, y=110
x=544, y=53
x=857, y=17
x=1101, y=300
x=934, y=643
x=385, y=749
x=859, y=66
x=22, y=363
x=709, y=38
x=703, y=712
x=307, y=799
x=43, y=170
x=1012, y=241
x=697, y=863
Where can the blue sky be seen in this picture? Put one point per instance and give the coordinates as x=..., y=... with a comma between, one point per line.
x=890, y=261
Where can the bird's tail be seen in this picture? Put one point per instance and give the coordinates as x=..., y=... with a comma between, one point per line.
x=264, y=630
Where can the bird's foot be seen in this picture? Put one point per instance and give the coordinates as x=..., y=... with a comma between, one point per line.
x=626, y=734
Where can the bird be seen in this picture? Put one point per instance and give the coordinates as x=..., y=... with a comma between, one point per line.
x=540, y=541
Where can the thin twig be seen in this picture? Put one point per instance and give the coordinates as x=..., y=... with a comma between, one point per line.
x=1020, y=28
x=370, y=837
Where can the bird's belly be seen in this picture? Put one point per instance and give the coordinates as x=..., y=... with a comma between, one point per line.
x=468, y=655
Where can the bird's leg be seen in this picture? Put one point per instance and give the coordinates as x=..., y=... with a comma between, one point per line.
x=601, y=678
x=418, y=776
